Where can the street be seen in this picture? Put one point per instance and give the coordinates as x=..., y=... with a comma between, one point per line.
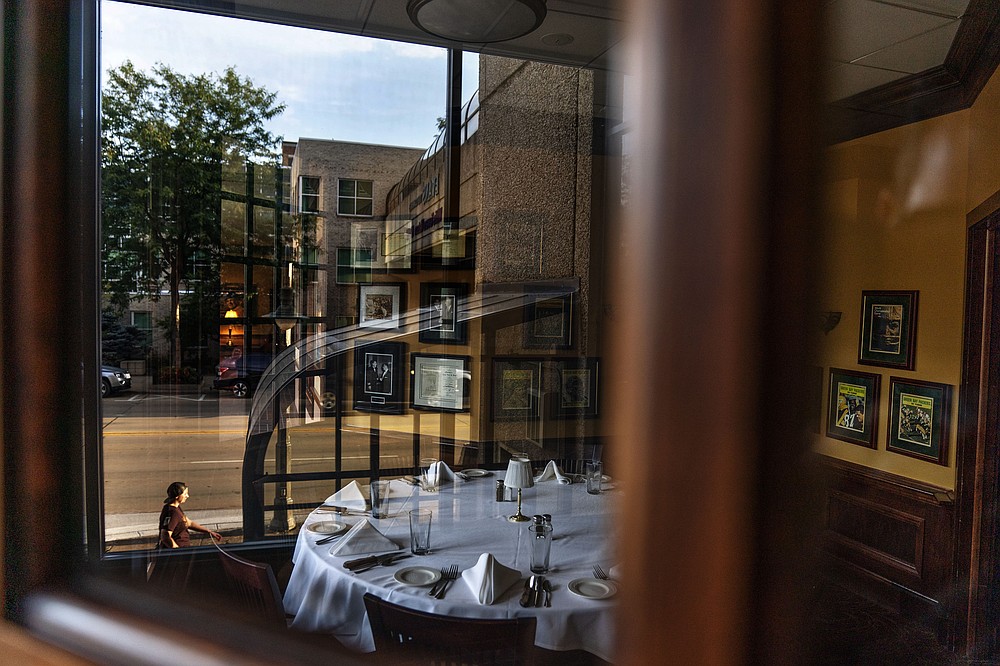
x=151, y=440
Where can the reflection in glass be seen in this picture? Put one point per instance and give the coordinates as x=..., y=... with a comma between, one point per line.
x=487, y=258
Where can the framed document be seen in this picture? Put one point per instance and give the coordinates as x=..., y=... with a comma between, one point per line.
x=888, y=329
x=918, y=419
x=852, y=413
x=378, y=377
x=440, y=383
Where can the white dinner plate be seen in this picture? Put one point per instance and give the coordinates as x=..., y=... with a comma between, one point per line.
x=326, y=527
x=417, y=576
x=593, y=588
x=476, y=473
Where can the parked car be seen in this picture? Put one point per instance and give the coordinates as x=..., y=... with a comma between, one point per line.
x=241, y=375
x=114, y=380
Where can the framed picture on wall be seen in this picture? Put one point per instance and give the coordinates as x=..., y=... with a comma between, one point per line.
x=378, y=377
x=439, y=313
x=888, y=329
x=577, y=383
x=516, y=387
x=852, y=407
x=368, y=241
x=548, y=322
x=380, y=304
x=918, y=419
x=439, y=383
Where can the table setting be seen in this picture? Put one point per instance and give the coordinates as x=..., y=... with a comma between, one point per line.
x=446, y=545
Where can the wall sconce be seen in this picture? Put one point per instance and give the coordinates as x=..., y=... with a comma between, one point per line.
x=477, y=21
x=829, y=320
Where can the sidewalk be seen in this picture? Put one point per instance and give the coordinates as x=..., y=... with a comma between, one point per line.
x=131, y=528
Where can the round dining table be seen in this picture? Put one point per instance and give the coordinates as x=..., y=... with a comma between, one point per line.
x=467, y=521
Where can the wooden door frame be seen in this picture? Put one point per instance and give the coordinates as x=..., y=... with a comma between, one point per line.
x=977, y=487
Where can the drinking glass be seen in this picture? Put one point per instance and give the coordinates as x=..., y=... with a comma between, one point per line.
x=380, y=499
x=420, y=531
x=428, y=473
x=593, y=470
x=541, y=547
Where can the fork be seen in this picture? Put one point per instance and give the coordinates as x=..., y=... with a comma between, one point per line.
x=600, y=573
x=447, y=579
x=436, y=587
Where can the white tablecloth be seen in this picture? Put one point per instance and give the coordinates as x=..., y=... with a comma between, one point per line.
x=468, y=521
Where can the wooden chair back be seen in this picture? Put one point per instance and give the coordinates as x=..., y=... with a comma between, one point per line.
x=408, y=636
x=254, y=587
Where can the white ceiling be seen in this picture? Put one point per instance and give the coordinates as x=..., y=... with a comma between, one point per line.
x=875, y=41
x=872, y=41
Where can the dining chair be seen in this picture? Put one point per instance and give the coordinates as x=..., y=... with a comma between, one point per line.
x=406, y=636
x=254, y=587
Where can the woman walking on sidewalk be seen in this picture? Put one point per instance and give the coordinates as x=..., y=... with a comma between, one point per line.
x=174, y=525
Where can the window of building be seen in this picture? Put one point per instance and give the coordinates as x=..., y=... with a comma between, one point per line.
x=143, y=320
x=308, y=194
x=354, y=197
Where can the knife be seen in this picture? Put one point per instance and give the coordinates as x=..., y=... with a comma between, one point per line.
x=342, y=511
x=539, y=595
x=383, y=562
x=371, y=559
x=526, y=595
x=360, y=562
x=328, y=539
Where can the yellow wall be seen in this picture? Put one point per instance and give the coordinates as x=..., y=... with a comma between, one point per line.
x=897, y=203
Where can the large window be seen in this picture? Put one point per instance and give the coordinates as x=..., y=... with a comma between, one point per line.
x=354, y=197
x=449, y=224
x=309, y=194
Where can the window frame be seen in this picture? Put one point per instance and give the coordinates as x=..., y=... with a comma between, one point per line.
x=303, y=196
x=355, y=198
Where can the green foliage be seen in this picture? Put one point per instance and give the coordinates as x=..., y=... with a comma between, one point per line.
x=165, y=138
x=120, y=342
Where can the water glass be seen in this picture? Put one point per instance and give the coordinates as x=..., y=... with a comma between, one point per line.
x=541, y=547
x=420, y=531
x=593, y=470
x=428, y=473
x=380, y=499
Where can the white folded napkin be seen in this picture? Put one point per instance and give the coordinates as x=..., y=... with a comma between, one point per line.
x=363, y=538
x=552, y=471
x=438, y=473
x=400, y=488
x=351, y=496
x=489, y=579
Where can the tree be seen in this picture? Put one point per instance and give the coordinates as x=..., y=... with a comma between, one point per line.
x=119, y=342
x=165, y=138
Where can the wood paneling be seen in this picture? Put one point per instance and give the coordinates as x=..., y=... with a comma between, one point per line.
x=890, y=537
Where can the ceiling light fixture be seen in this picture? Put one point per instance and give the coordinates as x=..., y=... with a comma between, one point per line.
x=477, y=21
